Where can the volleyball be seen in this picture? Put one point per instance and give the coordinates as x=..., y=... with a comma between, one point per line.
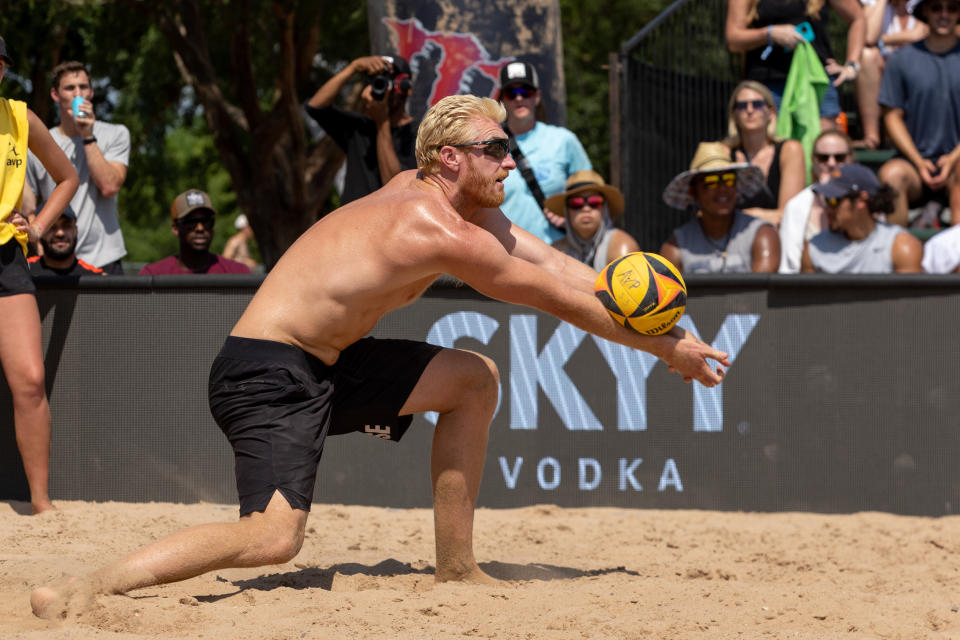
x=643, y=291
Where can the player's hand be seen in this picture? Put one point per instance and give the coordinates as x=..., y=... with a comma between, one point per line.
x=689, y=358
x=20, y=223
x=786, y=35
x=371, y=65
x=559, y=222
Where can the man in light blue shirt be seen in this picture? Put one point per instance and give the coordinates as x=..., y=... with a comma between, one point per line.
x=553, y=153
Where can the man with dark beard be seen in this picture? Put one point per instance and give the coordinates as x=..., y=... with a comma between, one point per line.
x=297, y=367
x=192, y=218
x=59, y=257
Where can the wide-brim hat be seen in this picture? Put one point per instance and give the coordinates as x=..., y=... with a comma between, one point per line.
x=712, y=157
x=586, y=180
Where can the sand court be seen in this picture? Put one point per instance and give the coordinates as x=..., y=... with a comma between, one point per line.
x=367, y=572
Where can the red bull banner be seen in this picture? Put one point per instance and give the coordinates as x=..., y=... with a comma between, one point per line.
x=459, y=46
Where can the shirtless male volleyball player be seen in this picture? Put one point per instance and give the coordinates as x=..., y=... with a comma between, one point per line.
x=296, y=366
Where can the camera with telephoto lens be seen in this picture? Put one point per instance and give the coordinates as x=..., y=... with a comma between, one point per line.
x=379, y=85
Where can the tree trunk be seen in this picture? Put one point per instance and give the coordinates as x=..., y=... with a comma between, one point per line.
x=280, y=178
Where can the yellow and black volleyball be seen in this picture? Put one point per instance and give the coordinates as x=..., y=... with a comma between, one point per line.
x=643, y=291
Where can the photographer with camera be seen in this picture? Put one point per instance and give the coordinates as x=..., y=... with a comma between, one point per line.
x=380, y=141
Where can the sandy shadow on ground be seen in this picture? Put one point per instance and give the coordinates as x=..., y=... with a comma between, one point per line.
x=22, y=508
x=318, y=578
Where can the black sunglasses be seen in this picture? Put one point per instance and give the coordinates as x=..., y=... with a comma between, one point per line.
x=512, y=93
x=825, y=157
x=741, y=105
x=192, y=221
x=834, y=202
x=496, y=148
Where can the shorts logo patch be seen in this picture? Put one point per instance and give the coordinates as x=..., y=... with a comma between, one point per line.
x=377, y=430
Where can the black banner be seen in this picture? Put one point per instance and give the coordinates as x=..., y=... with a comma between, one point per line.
x=842, y=397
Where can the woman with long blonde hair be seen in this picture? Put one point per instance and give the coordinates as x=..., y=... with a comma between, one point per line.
x=766, y=32
x=752, y=125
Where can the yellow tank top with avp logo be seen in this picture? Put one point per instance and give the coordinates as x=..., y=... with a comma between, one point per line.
x=13, y=168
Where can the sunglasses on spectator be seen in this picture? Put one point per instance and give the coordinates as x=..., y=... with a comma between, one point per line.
x=741, y=105
x=825, y=157
x=713, y=181
x=496, y=148
x=579, y=202
x=512, y=93
x=952, y=7
x=192, y=221
x=833, y=203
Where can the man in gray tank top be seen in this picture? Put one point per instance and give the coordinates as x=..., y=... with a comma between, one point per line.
x=855, y=241
x=720, y=238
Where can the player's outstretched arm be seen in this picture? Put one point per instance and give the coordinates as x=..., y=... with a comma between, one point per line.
x=525, y=246
x=563, y=290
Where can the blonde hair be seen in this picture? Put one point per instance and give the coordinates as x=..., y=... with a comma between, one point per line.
x=450, y=121
x=733, y=132
x=813, y=9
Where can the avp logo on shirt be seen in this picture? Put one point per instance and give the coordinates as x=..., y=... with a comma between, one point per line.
x=13, y=158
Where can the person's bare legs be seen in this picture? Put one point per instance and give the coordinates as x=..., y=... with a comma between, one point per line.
x=22, y=356
x=462, y=387
x=868, y=89
x=953, y=191
x=902, y=176
x=272, y=537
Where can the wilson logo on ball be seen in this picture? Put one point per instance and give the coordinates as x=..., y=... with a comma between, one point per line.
x=643, y=291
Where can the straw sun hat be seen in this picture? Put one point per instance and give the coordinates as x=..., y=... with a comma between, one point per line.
x=586, y=180
x=712, y=157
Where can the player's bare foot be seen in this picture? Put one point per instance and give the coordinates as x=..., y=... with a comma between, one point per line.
x=474, y=575
x=43, y=505
x=60, y=599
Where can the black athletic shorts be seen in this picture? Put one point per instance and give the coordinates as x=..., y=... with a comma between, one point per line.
x=14, y=271
x=277, y=404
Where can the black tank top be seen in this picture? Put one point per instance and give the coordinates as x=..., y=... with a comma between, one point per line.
x=777, y=64
x=769, y=196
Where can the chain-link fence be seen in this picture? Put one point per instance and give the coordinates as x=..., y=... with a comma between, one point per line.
x=677, y=76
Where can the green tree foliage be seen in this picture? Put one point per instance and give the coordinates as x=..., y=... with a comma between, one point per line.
x=211, y=93
x=591, y=31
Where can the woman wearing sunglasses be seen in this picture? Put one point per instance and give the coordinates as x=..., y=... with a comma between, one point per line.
x=751, y=137
x=720, y=238
x=552, y=153
x=20, y=341
x=590, y=205
x=767, y=32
